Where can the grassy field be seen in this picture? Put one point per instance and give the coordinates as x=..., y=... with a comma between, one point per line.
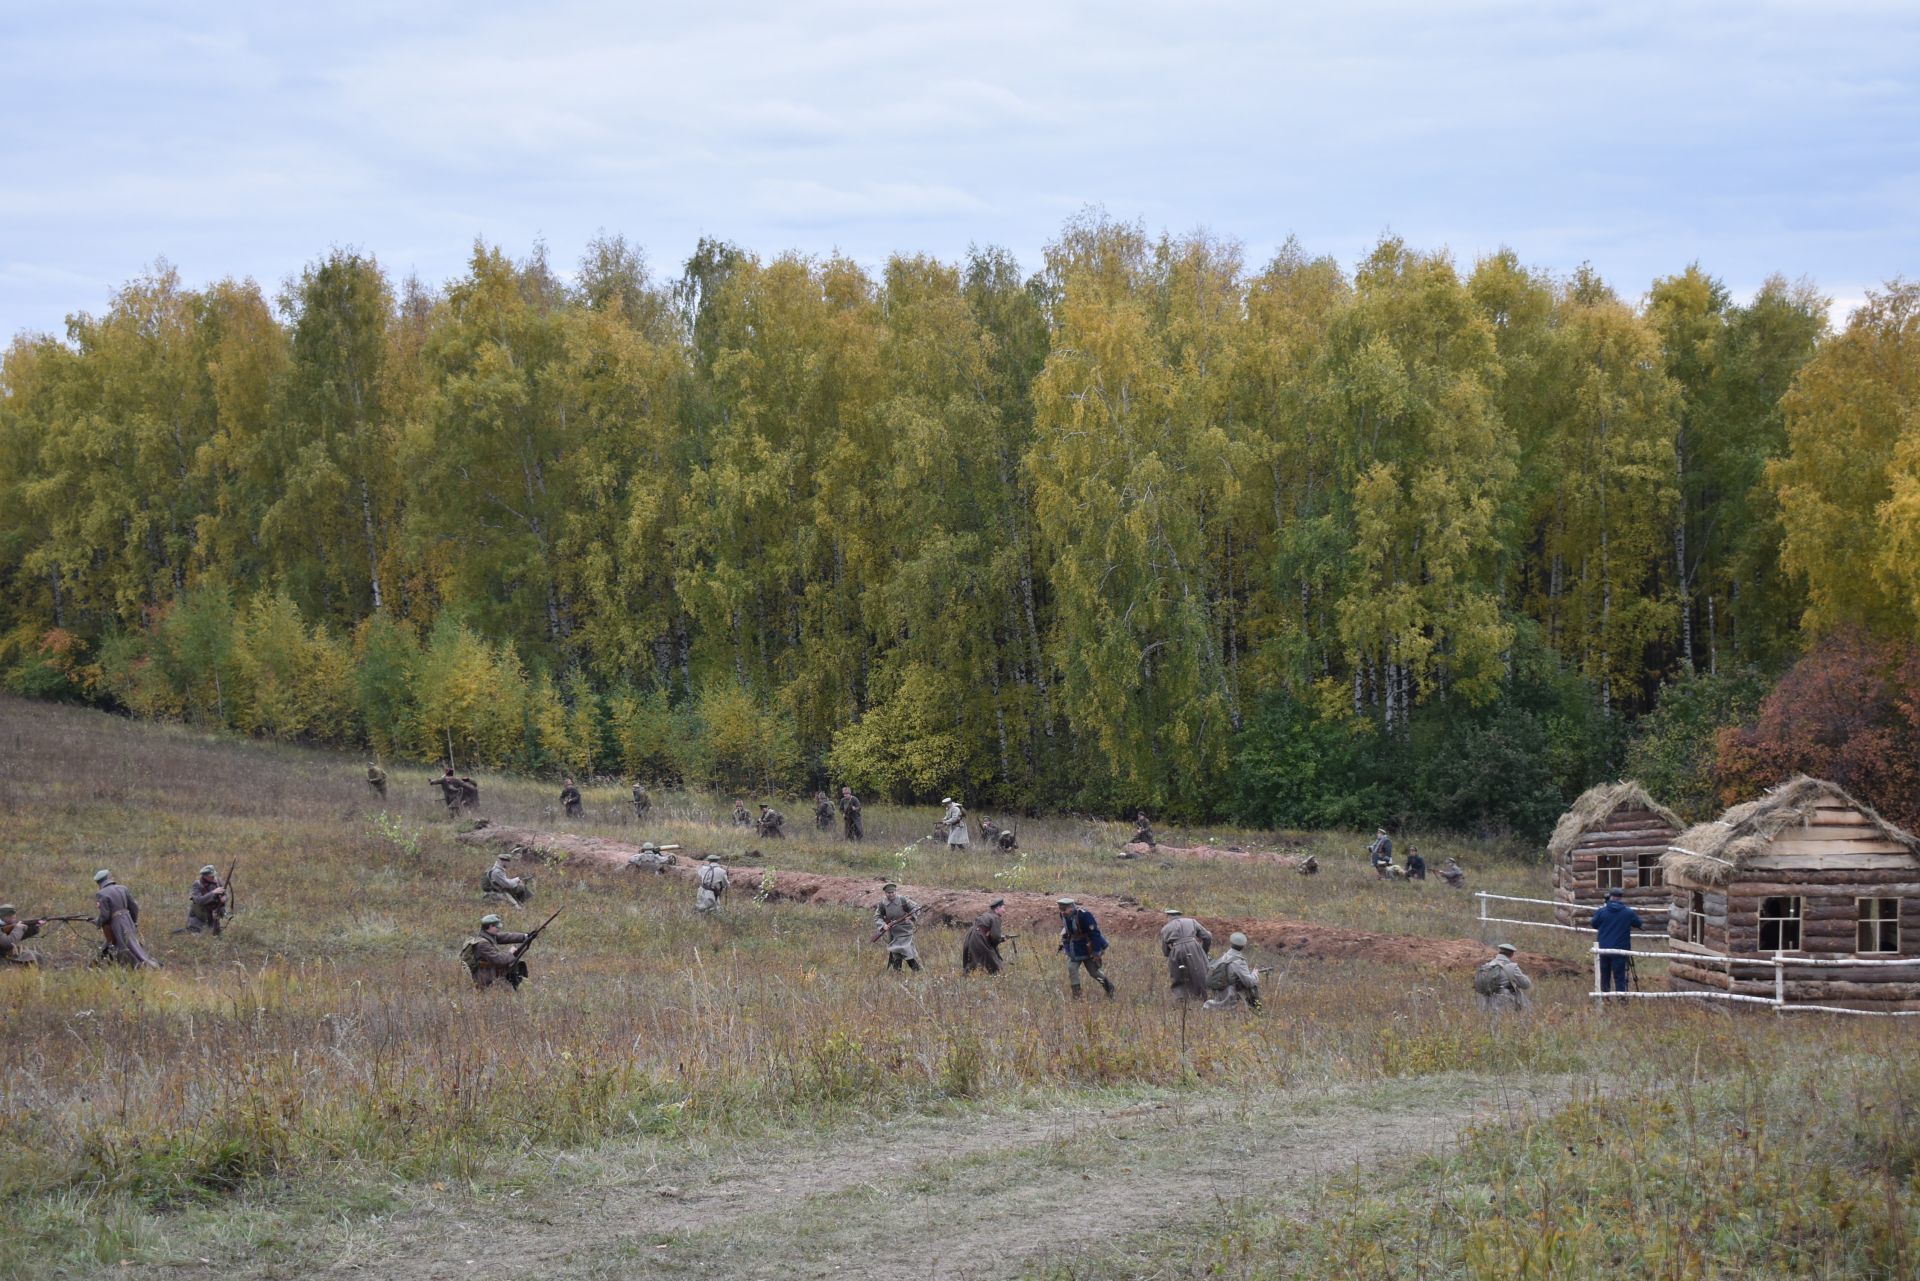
x=320, y=1088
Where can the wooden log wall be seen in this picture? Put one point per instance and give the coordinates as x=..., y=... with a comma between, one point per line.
x=1628, y=833
x=1829, y=864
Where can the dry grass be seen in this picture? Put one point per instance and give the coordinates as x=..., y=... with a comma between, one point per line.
x=330, y=1039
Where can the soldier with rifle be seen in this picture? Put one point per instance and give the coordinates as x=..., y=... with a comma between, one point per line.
x=452, y=790
x=14, y=932
x=209, y=900
x=1231, y=979
x=642, y=803
x=713, y=886
x=822, y=812
x=486, y=954
x=1083, y=945
x=376, y=780
x=772, y=823
x=984, y=937
x=570, y=799
x=893, y=921
x=499, y=880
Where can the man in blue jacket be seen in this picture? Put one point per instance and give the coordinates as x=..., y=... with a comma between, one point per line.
x=1081, y=940
x=1613, y=927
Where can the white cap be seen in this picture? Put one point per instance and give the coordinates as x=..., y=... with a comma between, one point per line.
x=1065, y=902
x=946, y=800
x=1237, y=939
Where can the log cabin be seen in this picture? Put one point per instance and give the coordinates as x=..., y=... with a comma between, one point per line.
x=1614, y=837
x=1805, y=871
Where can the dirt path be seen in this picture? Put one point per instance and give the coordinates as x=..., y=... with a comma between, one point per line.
x=1036, y=912
x=975, y=1196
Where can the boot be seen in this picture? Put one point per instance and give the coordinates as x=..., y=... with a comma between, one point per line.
x=1107, y=983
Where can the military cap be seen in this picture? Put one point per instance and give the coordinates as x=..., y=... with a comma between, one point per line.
x=890, y=887
x=946, y=800
x=102, y=876
x=1508, y=948
x=1173, y=911
x=489, y=919
x=504, y=856
x=999, y=902
x=649, y=847
x=1236, y=939
x=208, y=870
x=1065, y=902
x=8, y=909
x=713, y=858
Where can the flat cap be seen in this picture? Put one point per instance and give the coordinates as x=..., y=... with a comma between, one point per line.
x=1065, y=902
x=208, y=870
x=489, y=919
x=1508, y=948
x=102, y=876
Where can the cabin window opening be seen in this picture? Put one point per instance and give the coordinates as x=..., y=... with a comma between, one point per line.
x=1697, y=919
x=1650, y=871
x=1780, y=924
x=1607, y=872
x=1879, y=928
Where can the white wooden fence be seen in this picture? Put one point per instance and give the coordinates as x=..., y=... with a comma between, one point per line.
x=1485, y=920
x=1779, y=962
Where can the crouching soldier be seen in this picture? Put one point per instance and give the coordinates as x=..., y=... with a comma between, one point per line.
x=499, y=880
x=14, y=932
x=984, y=937
x=118, y=916
x=1231, y=979
x=771, y=823
x=1501, y=984
x=488, y=956
x=206, y=902
x=713, y=886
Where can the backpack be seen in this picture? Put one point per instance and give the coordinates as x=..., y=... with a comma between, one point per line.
x=1218, y=978
x=1490, y=979
x=468, y=951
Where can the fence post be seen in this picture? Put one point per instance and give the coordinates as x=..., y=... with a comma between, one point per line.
x=1779, y=982
x=1596, y=969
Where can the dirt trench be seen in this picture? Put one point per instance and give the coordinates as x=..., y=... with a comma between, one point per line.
x=1030, y=912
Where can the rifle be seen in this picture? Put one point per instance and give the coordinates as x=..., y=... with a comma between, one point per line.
x=227, y=883
x=55, y=920
x=521, y=949
x=888, y=927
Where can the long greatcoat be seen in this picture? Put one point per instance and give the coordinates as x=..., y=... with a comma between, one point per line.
x=982, y=950
x=1184, y=942
x=118, y=917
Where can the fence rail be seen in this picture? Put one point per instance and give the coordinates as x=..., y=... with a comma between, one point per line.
x=1485, y=897
x=1779, y=963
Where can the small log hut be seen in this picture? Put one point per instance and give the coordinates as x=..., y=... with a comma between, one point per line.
x=1613, y=838
x=1805, y=871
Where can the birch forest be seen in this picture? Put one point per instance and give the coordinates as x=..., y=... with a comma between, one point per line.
x=1144, y=524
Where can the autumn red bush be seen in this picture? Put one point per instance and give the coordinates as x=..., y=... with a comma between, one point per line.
x=1848, y=712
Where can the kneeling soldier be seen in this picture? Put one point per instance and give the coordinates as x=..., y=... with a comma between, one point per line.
x=499, y=881
x=487, y=957
x=14, y=932
x=1231, y=979
x=651, y=857
x=206, y=902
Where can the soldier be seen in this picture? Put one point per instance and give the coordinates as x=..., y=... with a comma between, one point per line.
x=984, y=937
x=469, y=794
x=650, y=856
x=1083, y=944
x=452, y=791
x=740, y=816
x=14, y=932
x=1185, y=943
x=1416, y=865
x=206, y=902
x=1309, y=867
x=989, y=831
x=850, y=813
x=570, y=799
x=118, y=917
x=487, y=957
x=955, y=823
x=1502, y=984
x=1454, y=875
x=1142, y=831
x=713, y=884
x=376, y=780
x=1231, y=979
x=499, y=880
x=822, y=812
x=893, y=919
x=772, y=823
x=1006, y=839
x=642, y=803
x=1381, y=851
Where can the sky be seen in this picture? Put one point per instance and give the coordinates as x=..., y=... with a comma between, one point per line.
x=246, y=140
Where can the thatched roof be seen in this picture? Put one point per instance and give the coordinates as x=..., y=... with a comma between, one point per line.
x=1595, y=806
x=1710, y=853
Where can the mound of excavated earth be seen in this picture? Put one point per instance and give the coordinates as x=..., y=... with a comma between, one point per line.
x=1229, y=853
x=1029, y=912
